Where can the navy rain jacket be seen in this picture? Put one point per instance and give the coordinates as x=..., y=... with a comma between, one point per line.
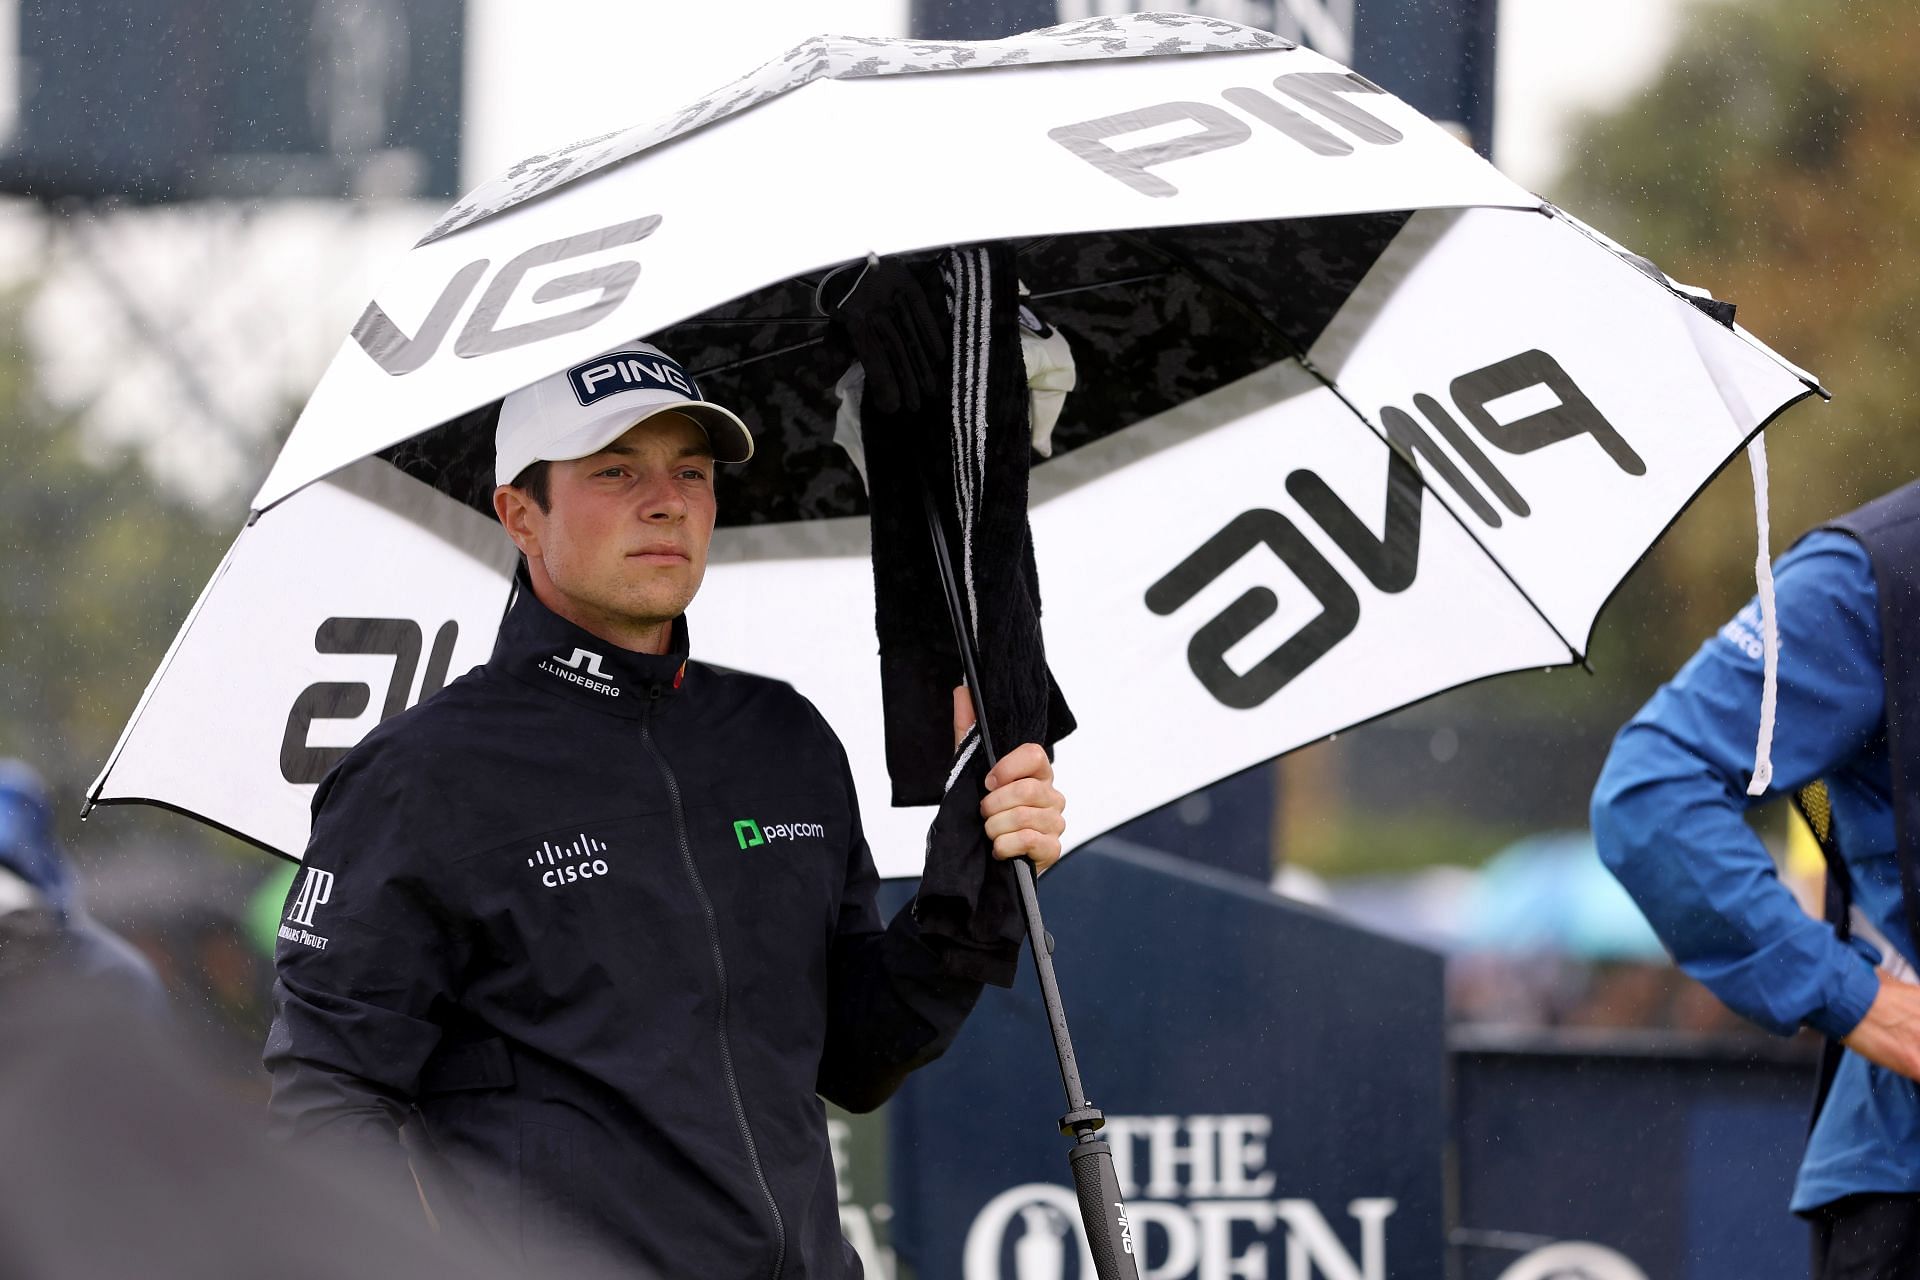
x=602, y=924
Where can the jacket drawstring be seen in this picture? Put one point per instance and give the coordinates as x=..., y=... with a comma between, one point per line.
x=1769, y=623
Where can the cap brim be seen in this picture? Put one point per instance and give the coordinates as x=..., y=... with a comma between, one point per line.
x=726, y=434
x=731, y=440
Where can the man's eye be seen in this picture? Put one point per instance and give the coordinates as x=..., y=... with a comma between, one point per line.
x=693, y=473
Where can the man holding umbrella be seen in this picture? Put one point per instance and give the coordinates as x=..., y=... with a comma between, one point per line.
x=596, y=922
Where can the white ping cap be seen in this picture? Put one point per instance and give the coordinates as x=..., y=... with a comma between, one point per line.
x=581, y=410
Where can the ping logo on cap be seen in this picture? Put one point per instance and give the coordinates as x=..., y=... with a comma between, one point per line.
x=619, y=371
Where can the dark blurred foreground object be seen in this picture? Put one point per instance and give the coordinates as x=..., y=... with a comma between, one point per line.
x=120, y=1162
x=235, y=99
x=186, y=909
x=42, y=924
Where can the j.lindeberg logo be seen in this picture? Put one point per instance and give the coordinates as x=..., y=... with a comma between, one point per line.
x=568, y=669
x=315, y=892
x=571, y=862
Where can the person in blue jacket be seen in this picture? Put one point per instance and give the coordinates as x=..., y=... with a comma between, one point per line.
x=39, y=897
x=1669, y=819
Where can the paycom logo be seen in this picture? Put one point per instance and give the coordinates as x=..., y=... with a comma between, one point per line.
x=750, y=833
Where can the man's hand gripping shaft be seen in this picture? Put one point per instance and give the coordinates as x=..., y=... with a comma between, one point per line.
x=1025, y=816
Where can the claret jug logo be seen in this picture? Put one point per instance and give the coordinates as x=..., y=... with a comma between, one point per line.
x=750, y=833
x=1200, y=1204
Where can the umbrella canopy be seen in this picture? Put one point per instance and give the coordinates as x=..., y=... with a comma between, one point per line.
x=1358, y=420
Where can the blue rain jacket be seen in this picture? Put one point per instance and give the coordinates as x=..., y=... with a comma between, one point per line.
x=1668, y=816
x=28, y=849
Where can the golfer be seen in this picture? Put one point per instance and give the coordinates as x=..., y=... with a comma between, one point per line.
x=1668, y=818
x=595, y=925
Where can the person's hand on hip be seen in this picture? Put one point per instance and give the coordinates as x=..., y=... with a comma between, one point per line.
x=1889, y=1036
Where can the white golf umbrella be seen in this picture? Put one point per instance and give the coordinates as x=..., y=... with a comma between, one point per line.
x=1359, y=420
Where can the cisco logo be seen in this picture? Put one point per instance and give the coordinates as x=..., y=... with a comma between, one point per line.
x=569, y=863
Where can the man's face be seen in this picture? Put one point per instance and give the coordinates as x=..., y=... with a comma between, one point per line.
x=622, y=546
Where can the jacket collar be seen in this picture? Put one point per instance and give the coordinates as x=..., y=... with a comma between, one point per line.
x=538, y=647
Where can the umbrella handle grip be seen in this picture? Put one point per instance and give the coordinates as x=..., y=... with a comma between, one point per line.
x=1103, y=1211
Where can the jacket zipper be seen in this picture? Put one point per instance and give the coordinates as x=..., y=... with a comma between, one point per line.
x=720, y=969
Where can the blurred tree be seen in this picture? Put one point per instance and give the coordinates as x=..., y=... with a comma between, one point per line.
x=1775, y=161
x=102, y=567
x=103, y=564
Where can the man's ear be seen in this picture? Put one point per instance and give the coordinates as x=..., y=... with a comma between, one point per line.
x=520, y=516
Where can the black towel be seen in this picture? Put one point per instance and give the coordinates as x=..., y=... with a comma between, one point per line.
x=974, y=459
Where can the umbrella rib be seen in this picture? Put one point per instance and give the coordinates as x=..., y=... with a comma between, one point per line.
x=814, y=342
x=1098, y=284
x=1032, y=297
x=1259, y=317
x=702, y=324
x=775, y=354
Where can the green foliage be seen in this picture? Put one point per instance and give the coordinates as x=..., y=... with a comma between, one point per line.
x=1374, y=844
x=101, y=570
x=1775, y=161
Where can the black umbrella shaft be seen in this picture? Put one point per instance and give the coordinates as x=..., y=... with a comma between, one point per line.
x=1022, y=867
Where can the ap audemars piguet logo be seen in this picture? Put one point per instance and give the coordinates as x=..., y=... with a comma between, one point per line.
x=316, y=890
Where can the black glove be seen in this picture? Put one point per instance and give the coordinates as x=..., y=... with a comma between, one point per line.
x=887, y=322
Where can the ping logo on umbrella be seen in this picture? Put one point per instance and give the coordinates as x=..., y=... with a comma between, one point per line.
x=1325, y=93
x=398, y=638
x=1519, y=404
x=619, y=371
x=400, y=353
